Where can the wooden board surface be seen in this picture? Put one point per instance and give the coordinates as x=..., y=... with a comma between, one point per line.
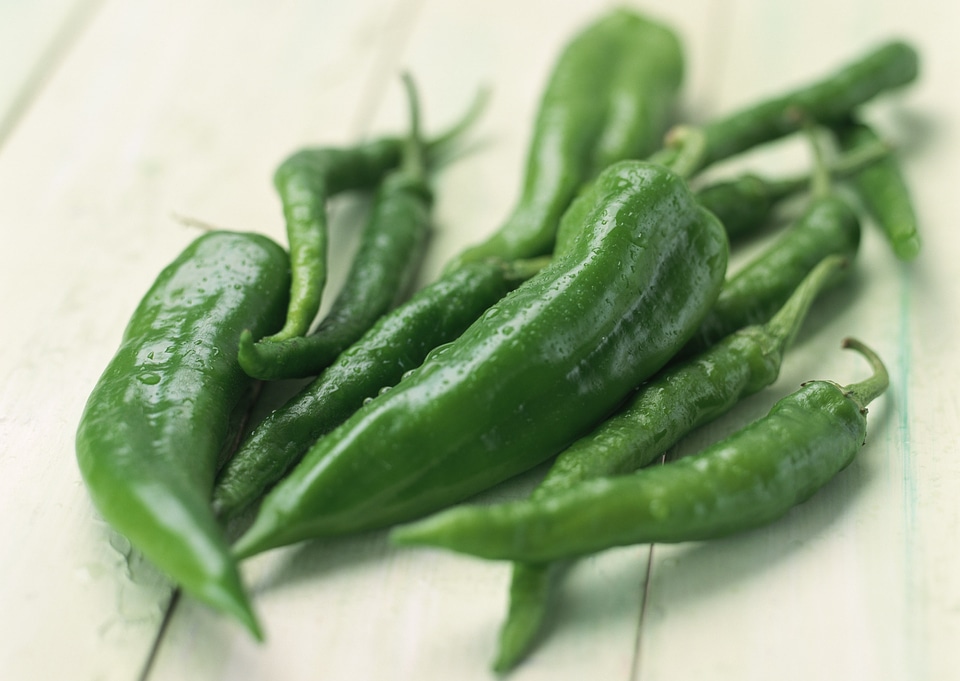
x=121, y=119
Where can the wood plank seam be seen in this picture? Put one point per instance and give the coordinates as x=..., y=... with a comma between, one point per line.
x=638, y=638
x=73, y=27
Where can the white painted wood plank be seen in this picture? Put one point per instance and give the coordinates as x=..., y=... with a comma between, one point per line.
x=162, y=108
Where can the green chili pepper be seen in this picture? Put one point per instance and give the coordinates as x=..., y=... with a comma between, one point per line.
x=386, y=261
x=690, y=149
x=745, y=481
x=679, y=399
x=831, y=99
x=540, y=367
x=828, y=226
x=610, y=97
x=744, y=204
x=305, y=182
x=397, y=343
x=883, y=191
x=160, y=417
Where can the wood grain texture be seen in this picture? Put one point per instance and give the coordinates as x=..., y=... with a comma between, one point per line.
x=34, y=39
x=158, y=109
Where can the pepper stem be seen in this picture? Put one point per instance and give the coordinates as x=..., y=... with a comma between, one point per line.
x=443, y=144
x=820, y=183
x=867, y=390
x=685, y=149
x=844, y=166
x=785, y=324
x=414, y=162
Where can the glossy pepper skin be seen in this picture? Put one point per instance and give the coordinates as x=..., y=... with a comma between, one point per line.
x=397, y=343
x=391, y=246
x=163, y=412
x=540, y=367
x=745, y=204
x=828, y=226
x=389, y=255
x=745, y=481
x=687, y=395
x=674, y=402
x=610, y=97
x=305, y=181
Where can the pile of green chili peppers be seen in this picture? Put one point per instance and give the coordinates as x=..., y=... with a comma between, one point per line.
x=595, y=328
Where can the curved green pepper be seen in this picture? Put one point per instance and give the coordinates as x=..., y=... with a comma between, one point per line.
x=883, y=191
x=540, y=367
x=671, y=404
x=389, y=255
x=745, y=481
x=610, y=97
x=397, y=343
x=163, y=413
x=828, y=226
x=827, y=100
x=746, y=203
x=307, y=179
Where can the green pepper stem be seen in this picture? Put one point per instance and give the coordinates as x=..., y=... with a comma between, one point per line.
x=414, y=162
x=844, y=166
x=869, y=389
x=820, y=182
x=443, y=145
x=786, y=323
x=684, y=151
x=852, y=162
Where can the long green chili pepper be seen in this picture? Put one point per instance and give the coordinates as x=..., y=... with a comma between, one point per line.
x=883, y=191
x=744, y=204
x=386, y=261
x=541, y=366
x=745, y=481
x=305, y=182
x=397, y=343
x=159, y=419
x=828, y=226
x=609, y=97
x=831, y=99
x=679, y=399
